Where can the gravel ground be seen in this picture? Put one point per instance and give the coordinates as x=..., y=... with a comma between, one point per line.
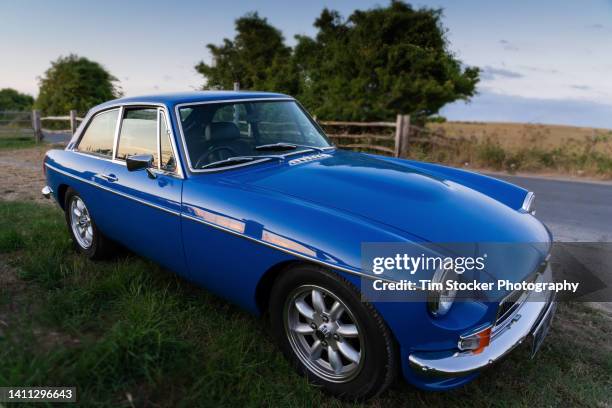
x=22, y=174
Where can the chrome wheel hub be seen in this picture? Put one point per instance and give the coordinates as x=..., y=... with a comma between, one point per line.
x=80, y=222
x=324, y=333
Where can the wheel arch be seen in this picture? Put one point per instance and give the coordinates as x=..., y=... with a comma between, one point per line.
x=264, y=286
x=62, y=189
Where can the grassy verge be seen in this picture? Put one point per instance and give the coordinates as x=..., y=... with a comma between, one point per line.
x=127, y=333
x=16, y=141
x=570, y=159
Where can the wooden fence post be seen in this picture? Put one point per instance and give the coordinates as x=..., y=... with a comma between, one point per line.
x=404, y=146
x=402, y=133
x=73, y=121
x=36, y=125
x=398, y=134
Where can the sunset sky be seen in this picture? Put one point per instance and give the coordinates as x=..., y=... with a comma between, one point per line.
x=544, y=61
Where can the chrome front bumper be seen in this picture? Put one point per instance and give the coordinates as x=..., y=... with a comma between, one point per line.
x=526, y=320
x=46, y=191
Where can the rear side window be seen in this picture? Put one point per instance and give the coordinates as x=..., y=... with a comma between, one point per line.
x=138, y=134
x=100, y=134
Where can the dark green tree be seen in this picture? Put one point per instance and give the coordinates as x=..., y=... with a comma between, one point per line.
x=12, y=100
x=75, y=82
x=381, y=62
x=257, y=58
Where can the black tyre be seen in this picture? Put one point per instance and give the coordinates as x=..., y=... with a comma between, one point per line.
x=86, y=237
x=329, y=335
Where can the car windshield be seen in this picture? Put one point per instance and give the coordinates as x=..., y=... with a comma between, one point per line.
x=217, y=134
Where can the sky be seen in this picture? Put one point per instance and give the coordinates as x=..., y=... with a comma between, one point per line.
x=542, y=61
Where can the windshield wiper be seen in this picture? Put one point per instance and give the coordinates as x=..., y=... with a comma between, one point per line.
x=287, y=146
x=239, y=159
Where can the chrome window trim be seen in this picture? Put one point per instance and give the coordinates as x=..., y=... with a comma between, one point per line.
x=121, y=106
x=77, y=142
x=117, y=132
x=158, y=135
x=214, y=170
x=160, y=108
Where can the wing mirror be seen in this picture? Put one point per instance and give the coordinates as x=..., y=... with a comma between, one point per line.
x=141, y=162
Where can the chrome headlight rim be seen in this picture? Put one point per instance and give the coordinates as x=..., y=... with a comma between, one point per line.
x=529, y=203
x=439, y=302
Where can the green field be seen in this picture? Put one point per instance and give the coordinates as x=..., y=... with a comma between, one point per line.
x=127, y=333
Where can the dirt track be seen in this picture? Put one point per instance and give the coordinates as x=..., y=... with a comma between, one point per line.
x=22, y=174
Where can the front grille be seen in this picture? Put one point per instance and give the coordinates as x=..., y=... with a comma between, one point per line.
x=515, y=299
x=509, y=304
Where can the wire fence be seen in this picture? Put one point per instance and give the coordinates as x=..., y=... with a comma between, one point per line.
x=16, y=123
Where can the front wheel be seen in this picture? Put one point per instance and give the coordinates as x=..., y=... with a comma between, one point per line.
x=85, y=234
x=330, y=335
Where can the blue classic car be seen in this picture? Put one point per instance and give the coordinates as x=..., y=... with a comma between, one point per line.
x=242, y=193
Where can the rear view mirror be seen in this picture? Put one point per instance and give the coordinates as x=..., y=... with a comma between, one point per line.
x=140, y=162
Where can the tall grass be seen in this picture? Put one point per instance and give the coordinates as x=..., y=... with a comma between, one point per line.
x=489, y=154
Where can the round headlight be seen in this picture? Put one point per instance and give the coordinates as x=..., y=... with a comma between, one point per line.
x=439, y=301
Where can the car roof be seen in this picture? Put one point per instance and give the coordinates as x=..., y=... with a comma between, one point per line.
x=172, y=99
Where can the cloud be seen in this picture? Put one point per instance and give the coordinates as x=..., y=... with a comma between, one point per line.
x=596, y=26
x=508, y=46
x=489, y=106
x=489, y=73
x=581, y=87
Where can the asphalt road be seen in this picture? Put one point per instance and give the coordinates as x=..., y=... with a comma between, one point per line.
x=573, y=210
x=53, y=137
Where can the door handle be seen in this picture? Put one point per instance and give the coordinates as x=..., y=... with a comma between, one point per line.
x=111, y=178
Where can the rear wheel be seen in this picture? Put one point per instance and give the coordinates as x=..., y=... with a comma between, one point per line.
x=85, y=235
x=330, y=335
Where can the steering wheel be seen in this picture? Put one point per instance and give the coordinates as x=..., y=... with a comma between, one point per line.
x=214, y=154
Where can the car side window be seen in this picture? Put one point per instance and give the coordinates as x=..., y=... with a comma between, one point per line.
x=100, y=134
x=138, y=134
x=168, y=162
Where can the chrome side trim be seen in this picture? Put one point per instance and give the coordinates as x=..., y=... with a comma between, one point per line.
x=129, y=196
x=219, y=227
x=46, y=192
x=285, y=250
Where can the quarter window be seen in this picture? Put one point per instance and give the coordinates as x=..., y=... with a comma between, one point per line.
x=168, y=162
x=138, y=134
x=100, y=134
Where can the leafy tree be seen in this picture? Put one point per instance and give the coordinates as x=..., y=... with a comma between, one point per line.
x=381, y=62
x=13, y=100
x=257, y=58
x=371, y=66
x=75, y=82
